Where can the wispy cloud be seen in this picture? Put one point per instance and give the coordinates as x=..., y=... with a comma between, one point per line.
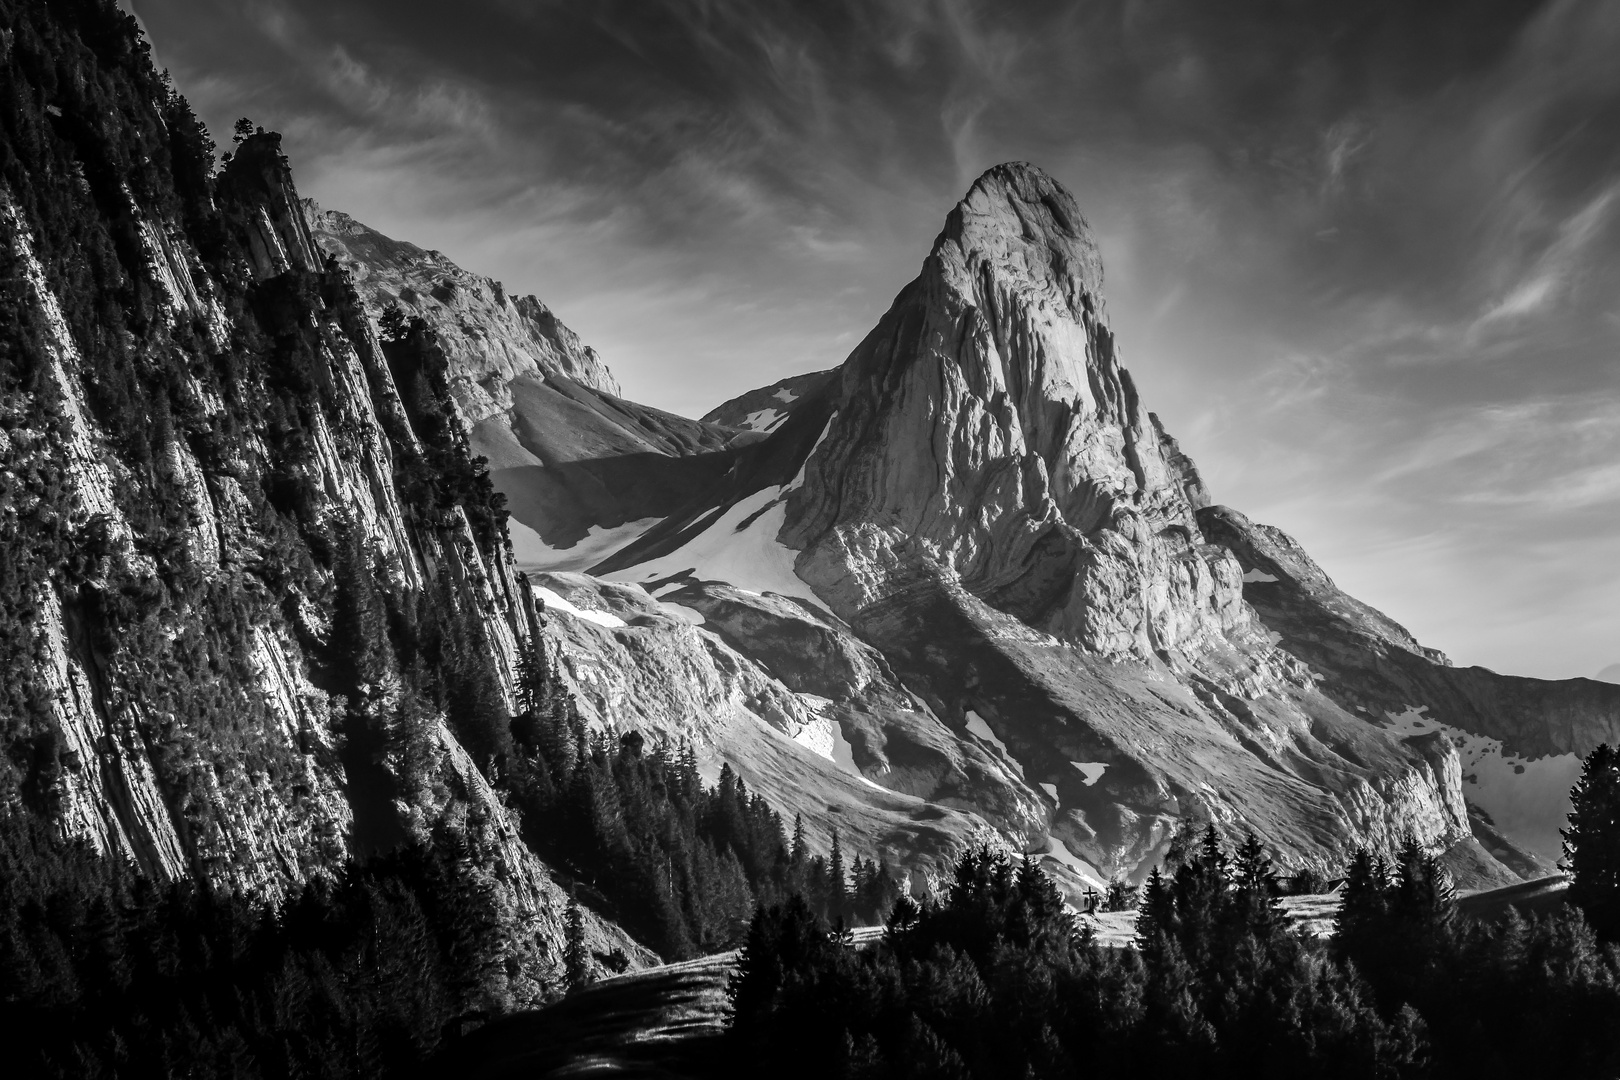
x=1558, y=270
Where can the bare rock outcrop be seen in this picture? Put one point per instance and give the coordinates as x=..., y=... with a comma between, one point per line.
x=495, y=336
x=986, y=425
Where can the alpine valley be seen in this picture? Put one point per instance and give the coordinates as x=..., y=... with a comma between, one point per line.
x=263, y=612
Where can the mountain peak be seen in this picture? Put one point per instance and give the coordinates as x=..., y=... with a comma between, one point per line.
x=1017, y=218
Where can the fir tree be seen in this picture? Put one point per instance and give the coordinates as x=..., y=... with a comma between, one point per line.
x=1592, y=842
x=837, y=897
x=393, y=324
x=576, y=960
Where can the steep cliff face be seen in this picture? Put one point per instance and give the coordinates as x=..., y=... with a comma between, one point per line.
x=254, y=595
x=987, y=427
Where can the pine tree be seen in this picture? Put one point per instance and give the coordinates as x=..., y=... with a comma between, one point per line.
x=393, y=324
x=1592, y=842
x=1361, y=903
x=1181, y=847
x=801, y=849
x=1254, y=877
x=575, y=957
x=1212, y=855
x=1156, y=914
x=837, y=895
x=531, y=678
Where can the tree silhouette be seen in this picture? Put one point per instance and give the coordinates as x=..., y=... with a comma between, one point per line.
x=1592, y=841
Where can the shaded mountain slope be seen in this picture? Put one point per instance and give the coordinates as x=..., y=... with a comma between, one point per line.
x=768, y=407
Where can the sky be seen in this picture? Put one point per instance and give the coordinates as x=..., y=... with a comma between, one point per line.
x=1362, y=259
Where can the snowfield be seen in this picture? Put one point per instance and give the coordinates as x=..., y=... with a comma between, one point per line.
x=739, y=547
x=531, y=554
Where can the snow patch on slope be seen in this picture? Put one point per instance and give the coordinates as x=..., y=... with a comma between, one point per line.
x=531, y=554
x=1091, y=770
x=1527, y=799
x=1258, y=575
x=976, y=725
x=764, y=419
x=739, y=547
x=817, y=737
x=1059, y=852
x=682, y=612
x=554, y=603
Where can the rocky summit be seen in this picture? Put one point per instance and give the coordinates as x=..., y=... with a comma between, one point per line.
x=966, y=588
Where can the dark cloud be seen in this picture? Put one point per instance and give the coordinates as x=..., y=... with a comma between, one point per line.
x=1361, y=257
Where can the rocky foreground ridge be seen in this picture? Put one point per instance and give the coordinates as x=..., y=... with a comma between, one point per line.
x=252, y=598
x=967, y=587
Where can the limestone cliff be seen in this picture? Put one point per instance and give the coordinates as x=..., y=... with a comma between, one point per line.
x=226, y=528
x=987, y=427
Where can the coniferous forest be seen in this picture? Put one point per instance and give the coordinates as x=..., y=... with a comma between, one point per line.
x=995, y=980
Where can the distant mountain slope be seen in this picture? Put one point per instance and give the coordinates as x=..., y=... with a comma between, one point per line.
x=765, y=409
x=568, y=452
x=1520, y=739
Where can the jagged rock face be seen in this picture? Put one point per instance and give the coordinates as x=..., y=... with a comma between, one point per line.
x=495, y=337
x=198, y=422
x=986, y=425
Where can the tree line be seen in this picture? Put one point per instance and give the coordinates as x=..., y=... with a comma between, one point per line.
x=996, y=980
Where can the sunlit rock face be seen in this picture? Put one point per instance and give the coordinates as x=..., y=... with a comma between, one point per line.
x=496, y=337
x=987, y=426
